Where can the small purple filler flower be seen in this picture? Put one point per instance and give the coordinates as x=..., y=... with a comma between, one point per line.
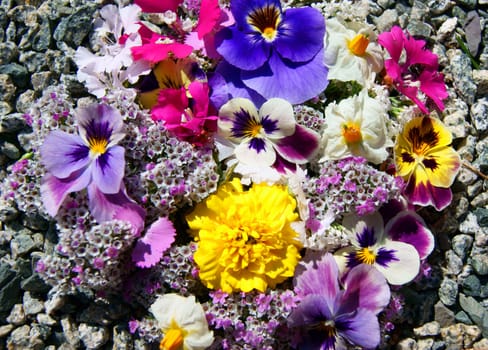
x=329, y=317
x=92, y=157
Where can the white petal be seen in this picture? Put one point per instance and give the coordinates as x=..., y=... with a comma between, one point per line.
x=406, y=268
x=250, y=156
x=281, y=111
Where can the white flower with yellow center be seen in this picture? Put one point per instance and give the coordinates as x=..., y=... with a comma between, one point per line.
x=351, y=53
x=356, y=126
x=183, y=323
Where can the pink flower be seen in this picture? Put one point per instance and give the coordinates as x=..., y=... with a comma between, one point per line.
x=158, y=5
x=412, y=69
x=188, y=118
x=156, y=47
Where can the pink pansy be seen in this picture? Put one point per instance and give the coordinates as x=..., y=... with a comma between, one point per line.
x=188, y=118
x=156, y=47
x=158, y=5
x=158, y=238
x=412, y=69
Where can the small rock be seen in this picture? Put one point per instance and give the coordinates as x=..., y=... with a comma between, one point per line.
x=32, y=306
x=10, y=294
x=121, y=338
x=429, y=329
x=8, y=52
x=25, y=101
x=472, y=28
x=461, y=71
x=12, y=123
x=407, y=344
x=454, y=263
x=461, y=244
x=462, y=317
x=448, y=291
x=481, y=345
x=438, y=7
x=475, y=189
x=471, y=286
x=480, y=78
x=17, y=72
x=74, y=28
x=460, y=335
x=480, y=264
x=93, y=337
x=425, y=344
x=17, y=315
x=33, y=61
x=70, y=332
x=7, y=88
x=456, y=124
x=19, y=338
x=5, y=330
x=419, y=28
x=10, y=150
x=41, y=80
x=478, y=111
x=46, y=320
x=481, y=216
x=21, y=245
x=386, y=20
x=469, y=225
x=472, y=308
x=35, y=284
x=443, y=315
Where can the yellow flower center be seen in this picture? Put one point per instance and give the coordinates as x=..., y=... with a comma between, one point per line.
x=352, y=132
x=98, y=146
x=173, y=340
x=366, y=256
x=358, y=45
x=265, y=20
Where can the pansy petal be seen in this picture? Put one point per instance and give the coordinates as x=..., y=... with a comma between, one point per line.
x=294, y=82
x=242, y=8
x=281, y=118
x=368, y=285
x=302, y=37
x=421, y=193
x=404, y=268
x=236, y=47
x=314, y=308
x=108, y=170
x=54, y=190
x=299, y=147
x=62, y=154
x=100, y=121
x=362, y=329
x=256, y=151
x=442, y=166
x=234, y=117
x=149, y=250
x=409, y=227
x=118, y=206
x=318, y=277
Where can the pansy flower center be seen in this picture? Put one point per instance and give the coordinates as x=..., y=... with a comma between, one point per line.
x=98, y=146
x=265, y=20
x=173, y=340
x=358, y=45
x=351, y=132
x=366, y=256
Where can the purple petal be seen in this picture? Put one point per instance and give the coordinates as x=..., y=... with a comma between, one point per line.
x=226, y=84
x=410, y=228
x=107, y=207
x=108, y=170
x=242, y=8
x=293, y=82
x=302, y=34
x=237, y=48
x=425, y=194
x=319, y=277
x=311, y=310
x=299, y=147
x=54, y=190
x=362, y=329
x=63, y=153
x=158, y=238
x=369, y=286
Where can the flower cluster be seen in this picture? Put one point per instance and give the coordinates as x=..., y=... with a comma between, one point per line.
x=238, y=173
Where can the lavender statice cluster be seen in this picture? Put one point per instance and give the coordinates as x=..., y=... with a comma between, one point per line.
x=250, y=320
x=97, y=258
x=350, y=185
x=309, y=117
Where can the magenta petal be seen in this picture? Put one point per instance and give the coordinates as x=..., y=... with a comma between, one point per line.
x=107, y=207
x=158, y=238
x=54, y=190
x=393, y=42
x=158, y=5
x=362, y=329
x=108, y=170
x=367, y=285
x=62, y=154
x=410, y=228
x=208, y=18
x=299, y=147
x=319, y=277
x=426, y=194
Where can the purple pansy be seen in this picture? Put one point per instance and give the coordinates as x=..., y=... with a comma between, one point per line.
x=92, y=159
x=268, y=137
x=398, y=261
x=277, y=53
x=337, y=311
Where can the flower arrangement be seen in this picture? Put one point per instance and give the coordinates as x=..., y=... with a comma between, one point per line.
x=238, y=172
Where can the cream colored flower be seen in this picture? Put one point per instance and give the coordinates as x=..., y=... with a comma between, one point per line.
x=183, y=323
x=356, y=126
x=350, y=53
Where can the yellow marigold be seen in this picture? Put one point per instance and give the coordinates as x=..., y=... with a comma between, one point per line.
x=245, y=240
